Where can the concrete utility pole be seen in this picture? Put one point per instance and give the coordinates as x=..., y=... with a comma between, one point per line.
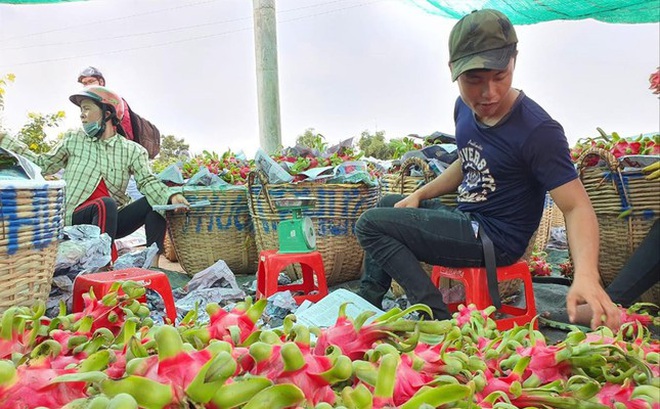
x=268, y=94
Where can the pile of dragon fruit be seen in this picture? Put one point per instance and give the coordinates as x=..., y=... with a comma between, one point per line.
x=111, y=355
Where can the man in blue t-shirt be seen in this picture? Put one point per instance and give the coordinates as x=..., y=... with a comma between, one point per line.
x=510, y=153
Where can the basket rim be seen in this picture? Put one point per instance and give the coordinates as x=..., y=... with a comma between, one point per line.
x=32, y=184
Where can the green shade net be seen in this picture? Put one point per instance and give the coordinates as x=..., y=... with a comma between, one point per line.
x=523, y=11
x=530, y=12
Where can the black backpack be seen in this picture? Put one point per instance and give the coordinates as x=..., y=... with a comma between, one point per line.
x=145, y=133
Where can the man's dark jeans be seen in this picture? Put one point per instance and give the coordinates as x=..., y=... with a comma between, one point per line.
x=396, y=240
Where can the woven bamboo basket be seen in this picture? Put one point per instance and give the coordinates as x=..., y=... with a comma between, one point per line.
x=557, y=217
x=169, y=252
x=221, y=231
x=337, y=209
x=545, y=225
x=612, y=193
x=407, y=167
x=552, y=218
x=31, y=223
x=405, y=184
x=507, y=288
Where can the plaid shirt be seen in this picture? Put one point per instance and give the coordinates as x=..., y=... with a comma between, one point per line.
x=86, y=160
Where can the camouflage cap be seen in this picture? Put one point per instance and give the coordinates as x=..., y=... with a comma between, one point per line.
x=484, y=39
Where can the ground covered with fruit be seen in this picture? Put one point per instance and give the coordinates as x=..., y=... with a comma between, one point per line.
x=113, y=355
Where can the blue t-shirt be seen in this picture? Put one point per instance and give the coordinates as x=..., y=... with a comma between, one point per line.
x=507, y=168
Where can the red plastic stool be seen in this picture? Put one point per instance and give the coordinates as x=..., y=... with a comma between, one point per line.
x=271, y=263
x=101, y=283
x=475, y=282
x=114, y=254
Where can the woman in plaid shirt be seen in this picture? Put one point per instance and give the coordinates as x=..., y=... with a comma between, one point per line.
x=98, y=163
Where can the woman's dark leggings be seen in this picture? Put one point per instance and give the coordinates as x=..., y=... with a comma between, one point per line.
x=641, y=271
x=120, y=223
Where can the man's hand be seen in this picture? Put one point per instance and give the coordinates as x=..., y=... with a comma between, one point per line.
x=408, y=201
x=179, y=199
x=582, y=231
x=604, y=312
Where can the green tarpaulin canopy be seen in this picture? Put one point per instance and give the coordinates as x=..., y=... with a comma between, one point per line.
x=523, y=11
x=537, y=11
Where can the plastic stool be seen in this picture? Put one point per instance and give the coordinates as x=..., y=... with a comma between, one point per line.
x=101, y=283
x=475, y=281
x=114, y=254
x=271, y=263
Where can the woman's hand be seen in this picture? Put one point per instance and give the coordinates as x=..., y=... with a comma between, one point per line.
x=179, y=199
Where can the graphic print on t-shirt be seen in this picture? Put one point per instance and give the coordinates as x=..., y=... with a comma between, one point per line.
x=477, y=181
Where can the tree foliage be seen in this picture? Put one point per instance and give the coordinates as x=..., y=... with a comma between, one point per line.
x=173, y=147
x=172, y=150
x=311, y=139
x=375, y=145
x=33, y=132
x=402, y=145
x=4, y=81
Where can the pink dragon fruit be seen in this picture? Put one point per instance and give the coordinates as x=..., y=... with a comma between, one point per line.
x=354, y=337
x=30, y=385
x=538, y=265
x=294, y=363
x=614, y=396
x=547, y=363
x=233, y=326
x=174, y=377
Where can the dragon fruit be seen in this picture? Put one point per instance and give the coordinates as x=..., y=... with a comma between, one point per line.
x=14, y=338
x=233, y=326
x=30, y=385
x=547, y=363
x=538, y=265
x=566, y=269
x=354, y=337
x=172, y=378
x=428, y=359
x=294, y=362
x=621, y=396
x=654, y=80
x=408, y=380
x=637, y=313
x=379, y=377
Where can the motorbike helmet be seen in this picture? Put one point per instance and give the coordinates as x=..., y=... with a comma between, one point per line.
x=105, y=99
x=90, y=72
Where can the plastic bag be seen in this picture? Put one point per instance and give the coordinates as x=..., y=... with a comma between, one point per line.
x=276, y=174
x=172, y=174
x=86, y=249
x=141, y=259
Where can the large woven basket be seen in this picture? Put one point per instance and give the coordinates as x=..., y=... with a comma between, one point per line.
x=507, y=288
x=169, y=252
x=613, y=192
x=31, y=223
x=403, y=182
x=221, y=231
x=407, y=167
x=552, y=218
x=338, y=206
x=545, y=225
x=556, y=217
